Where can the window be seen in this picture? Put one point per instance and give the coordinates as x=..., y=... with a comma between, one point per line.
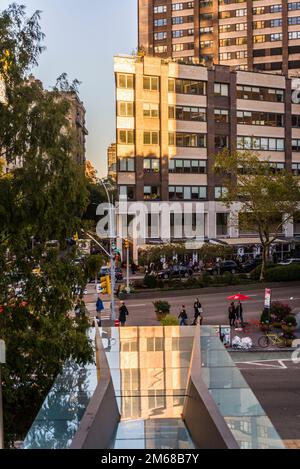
x=296, y=121
x=259, y=11
x=294, y=6
x=125, y=109
x=178, y=33
x=151, y=83
x=151, y=138
x=191, y=140
x=206, y=30
x=151, y=192
x=294, y=35
x=296, y=169
x=221, y=89
x=276, y=23
x=160, y=49
x=260, y=94
x=187, y=86
x=160, y=9
x=125, y=81
x=178, y=47
x=296, y=145
x=126, y=137
x=187, y=192
x=180, y=166
x=187, y=113
x=126, y=192
x=275, y=8
x=276, y=37
x=151, y=165
x=126, y=165
x=151, y=110
x=258, y=39
x=220, y=192
x=260, y=118
x=177, y=6
x=294, y=20
x=260, y=143
x=221, y=141
x=160, y=36
x=222, y=223
x=205, y=44
x=161, y=22
x=221, y=115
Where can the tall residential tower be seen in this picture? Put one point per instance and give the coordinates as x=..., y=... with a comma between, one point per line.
x=261, y=35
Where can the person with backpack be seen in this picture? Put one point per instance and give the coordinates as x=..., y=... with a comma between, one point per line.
x=183, y=316
x=198, y=316
x=123, y=313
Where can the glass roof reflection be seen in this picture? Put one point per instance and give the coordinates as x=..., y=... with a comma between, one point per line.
x=150, y=367
x=237, y=403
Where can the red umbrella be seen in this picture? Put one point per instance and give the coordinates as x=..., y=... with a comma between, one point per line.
x=239, y=297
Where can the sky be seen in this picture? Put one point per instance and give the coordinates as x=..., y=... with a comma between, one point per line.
x=82, y=36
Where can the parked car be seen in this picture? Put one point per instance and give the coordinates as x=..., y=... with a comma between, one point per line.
x=224, y=266
x=177, y=271
x=250, y=265
x=290, y=261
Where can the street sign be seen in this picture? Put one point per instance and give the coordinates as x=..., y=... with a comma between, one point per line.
x=268, y=298
x=2, y=352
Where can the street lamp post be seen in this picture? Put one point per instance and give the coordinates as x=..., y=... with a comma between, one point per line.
x=112, y=254
x=2, y=361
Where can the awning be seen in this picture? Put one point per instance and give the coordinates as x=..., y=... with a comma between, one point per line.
x=254, y=241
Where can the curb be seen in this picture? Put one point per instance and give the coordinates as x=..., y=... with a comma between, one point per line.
x=263, y=350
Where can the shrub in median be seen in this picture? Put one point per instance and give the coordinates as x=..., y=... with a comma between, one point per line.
x=162, y=309
x=279, y=312
x=169, y=321
x=284, y=273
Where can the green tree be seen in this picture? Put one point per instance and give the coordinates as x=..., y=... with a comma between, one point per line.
x=42, y=198
x=262, y=199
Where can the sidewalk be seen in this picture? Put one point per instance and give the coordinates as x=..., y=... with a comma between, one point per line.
x=254, y=335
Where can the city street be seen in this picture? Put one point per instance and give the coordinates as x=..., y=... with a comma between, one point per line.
x=278, y=391
x=214, y=303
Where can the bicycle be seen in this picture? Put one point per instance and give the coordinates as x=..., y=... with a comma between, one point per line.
x=271, y=339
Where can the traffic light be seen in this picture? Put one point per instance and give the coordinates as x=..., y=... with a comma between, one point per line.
x=126, y=244
x=105, y=285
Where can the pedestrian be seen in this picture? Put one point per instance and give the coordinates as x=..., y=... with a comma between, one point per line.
x=99, y=309
x=123, y=313
x=198, y=313
x=232, y=314
x=183, y=317
x=77, y=309
x=239, y=313
x=133, y=268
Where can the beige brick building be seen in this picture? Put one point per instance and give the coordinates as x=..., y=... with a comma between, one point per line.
x=173, y=118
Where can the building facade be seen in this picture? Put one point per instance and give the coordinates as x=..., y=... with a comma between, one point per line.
x=112, y=161
x=76, y=118
x=173, y=118
x=259, y=35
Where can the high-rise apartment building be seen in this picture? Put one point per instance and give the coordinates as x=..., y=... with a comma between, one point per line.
x=112, y=161
x=262, y=35
x=173, y=118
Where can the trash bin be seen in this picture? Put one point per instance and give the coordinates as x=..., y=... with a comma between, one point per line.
x=117, y=323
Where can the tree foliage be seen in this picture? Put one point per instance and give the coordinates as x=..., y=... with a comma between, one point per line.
x=43, y=197
x=260, y=198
